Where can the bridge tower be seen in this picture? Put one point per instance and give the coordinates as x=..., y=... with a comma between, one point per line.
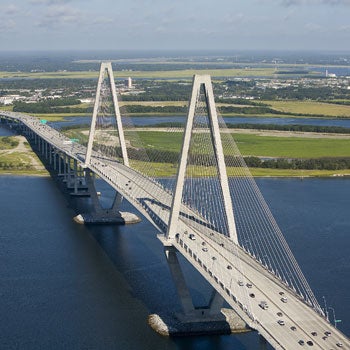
x=211, y=315
x=100, y=214
x=204, y=81
x=106, y=67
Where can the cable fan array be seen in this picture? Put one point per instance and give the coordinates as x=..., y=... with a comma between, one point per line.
x=106, y=141
x=202, y=201
x=257, y=229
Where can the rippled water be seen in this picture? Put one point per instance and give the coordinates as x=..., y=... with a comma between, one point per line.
x=66, y=286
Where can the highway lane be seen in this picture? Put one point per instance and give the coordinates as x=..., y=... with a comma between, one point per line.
x=265, y=287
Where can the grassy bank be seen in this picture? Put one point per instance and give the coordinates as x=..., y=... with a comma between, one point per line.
x=311, y=107
x=256, y=145
x=168, y=169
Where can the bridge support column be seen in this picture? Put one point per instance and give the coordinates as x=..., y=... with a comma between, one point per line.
x=100, y=215
x=262, y=343
x=192, y=320
x=179, y=280
x=211, y=312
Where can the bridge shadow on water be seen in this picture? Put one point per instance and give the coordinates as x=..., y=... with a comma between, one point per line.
x=138, y=256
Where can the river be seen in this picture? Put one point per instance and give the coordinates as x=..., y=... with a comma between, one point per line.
x=67, y=286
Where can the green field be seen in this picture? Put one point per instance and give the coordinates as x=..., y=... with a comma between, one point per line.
x=311, y=107
x=170, y=74
x=168, y=169
x=248, y=144
x=255, y=145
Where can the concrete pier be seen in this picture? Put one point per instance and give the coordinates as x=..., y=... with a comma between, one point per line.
x=125, y=218
x=173, y=325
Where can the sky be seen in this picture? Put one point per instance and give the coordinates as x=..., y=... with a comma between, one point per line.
x=175, y=24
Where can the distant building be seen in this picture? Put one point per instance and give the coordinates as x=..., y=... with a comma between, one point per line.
x=9, y=99
x=128, y=83
x=330, y=75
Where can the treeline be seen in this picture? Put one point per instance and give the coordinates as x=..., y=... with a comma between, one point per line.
x=241, y=101
x=248, y=110
x=302, y=93
x=156, y=109
x=293, y=127
x=161, y=91
x=59, y=105
x=336, y=102
x=155, y=155
x=301, y=164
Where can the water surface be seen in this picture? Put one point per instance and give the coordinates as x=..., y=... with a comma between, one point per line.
x=64, y=285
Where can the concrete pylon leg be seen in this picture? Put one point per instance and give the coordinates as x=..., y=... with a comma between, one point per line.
x=179, y=280
x=262, y=343
x=117, y=202
x=190, y=312
x=92, y=190
x=216, y=303
x=76, y=177
x=99, y=215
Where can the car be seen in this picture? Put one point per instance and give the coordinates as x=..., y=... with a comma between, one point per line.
x=252, y=295
x=301, y=342
x=324, y=338
x=264, y=305
x=192, y=236
x=203, y=243
x=310, y=343
x=327, y=333
x=284, y=299
x=279, y=314
x=205, y=249
x=293, y=328
x=314, y=334
x=281, y=293
x=281, y=322
x=339, y=345
x=229, y=267
x=249, y=285
x=240, y=283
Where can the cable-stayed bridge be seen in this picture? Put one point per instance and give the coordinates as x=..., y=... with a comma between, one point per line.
x=219, y=223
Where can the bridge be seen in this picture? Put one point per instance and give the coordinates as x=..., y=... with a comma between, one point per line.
x=219, y=223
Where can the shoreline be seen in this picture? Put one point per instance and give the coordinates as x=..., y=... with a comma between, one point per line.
x=272, y=175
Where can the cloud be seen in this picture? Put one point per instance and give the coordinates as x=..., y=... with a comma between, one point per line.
x=288, y=3
x=313, y=27
x=49, y=2
x=60, y=15
x=10, y=10
x=7, y=26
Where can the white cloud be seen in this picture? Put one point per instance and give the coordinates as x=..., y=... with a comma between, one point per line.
x=7, y=26
x=313, y=27
x=10, y=10
x=49, y=2
x=288, y=3
x=60, y=15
